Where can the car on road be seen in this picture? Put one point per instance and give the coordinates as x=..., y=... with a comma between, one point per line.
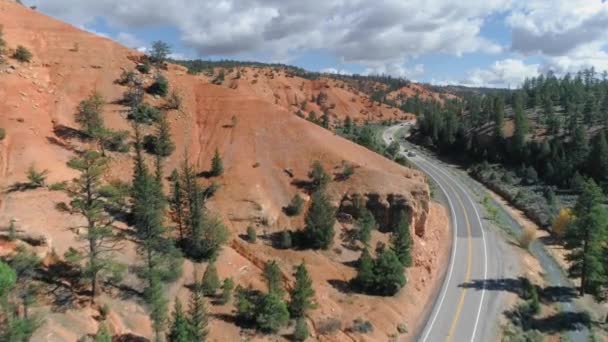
x=411, y=154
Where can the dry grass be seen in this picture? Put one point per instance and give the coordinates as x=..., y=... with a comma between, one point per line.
x=527, y=236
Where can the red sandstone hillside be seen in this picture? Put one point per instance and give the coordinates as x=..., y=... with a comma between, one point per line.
x=339, y=98
x=38, y=99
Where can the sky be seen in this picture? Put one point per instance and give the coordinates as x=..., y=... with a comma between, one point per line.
x=492, y=43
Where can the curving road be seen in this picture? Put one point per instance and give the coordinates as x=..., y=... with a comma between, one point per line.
x=464, y=309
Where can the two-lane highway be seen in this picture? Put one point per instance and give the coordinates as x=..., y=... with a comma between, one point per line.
x=464, y=309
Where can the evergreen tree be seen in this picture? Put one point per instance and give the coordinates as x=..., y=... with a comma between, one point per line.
x=499, y=116
x=348, y=125
x=598, y=160
x=164, y=145
x=273, y=277
x=198, y=316
x=157, y=303
x=211, y=281
x=159, y=52
x=272, y=313
x=161, y=259
x=519, y=136
x=217, y=166
x=301, y=333
x=177, y=204
x=99, y=235
x=251, y=234
x=227, y=288
x=320, y=177
x=365, y=271
x=180, y=326
x=584, y=238
x=388, y=273
x=302, y=293
x=103, y=334
x=365, y=224
x=401, y=240
x=320, y=219
x=89, y=115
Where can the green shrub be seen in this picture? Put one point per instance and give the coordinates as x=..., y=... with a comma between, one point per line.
x=361, y=326
x=144, y=113
x=36, y=178
x=22, y=54
x=285, y=241
x=59, y=186
x=251, y=234
x=160, y=86
x=295, y=206
x=144, y=67
x=116, y=141
x=2, y=133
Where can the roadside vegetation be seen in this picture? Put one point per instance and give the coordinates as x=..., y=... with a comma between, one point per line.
x=543, y=148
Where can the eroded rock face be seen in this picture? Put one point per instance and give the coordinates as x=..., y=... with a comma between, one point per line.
x=385, y=208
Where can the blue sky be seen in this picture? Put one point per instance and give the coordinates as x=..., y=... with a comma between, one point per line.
x=493, y=43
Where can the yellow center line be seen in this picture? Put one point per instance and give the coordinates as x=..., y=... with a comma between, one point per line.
x=468, y=274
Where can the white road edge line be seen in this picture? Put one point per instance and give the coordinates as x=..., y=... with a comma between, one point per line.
x=444, y=290
x=485, y=253
x=446, y=284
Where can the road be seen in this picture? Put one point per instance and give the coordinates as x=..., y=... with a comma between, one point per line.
x=464, y=310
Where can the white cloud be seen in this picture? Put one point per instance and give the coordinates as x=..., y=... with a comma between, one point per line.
x=128, y=40
x=558, y=27
x=503, y=73
x=336, y=71
x=378, y=34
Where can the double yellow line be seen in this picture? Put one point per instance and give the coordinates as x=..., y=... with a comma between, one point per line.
x=469, y=262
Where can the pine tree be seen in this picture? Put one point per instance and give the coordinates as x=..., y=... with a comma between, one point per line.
x=402, y=240
x=100, y=237
x=162, y=261
x=180, y=328
x=499, y=116
x=272, y=313
x=177, y=204
x=251, y=234
x=320, y=177
x=157, y=303
x=302, y=293
x=103, y=334
x=388, y=273
x=320, y=219
x=164, y=144
x=227, y=288
x=519, y=136
x=348, y=125
x=365, y=224
x=301, y=333
x=597, y=163
x=584, y=238
x=198, y=319
x=89, y=115
x=217, y=166
x=211, y=281
x=365, y=271
x=273, y=277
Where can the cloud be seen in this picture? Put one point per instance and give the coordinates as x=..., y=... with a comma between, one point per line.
x=502, y=74
x=377, y=34
x=128, y=40
x=559, y=27
x=336, y=71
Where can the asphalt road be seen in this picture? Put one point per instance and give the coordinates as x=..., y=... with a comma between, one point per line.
x=465, y=309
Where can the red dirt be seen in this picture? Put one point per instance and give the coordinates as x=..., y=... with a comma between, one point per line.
x=38, y=97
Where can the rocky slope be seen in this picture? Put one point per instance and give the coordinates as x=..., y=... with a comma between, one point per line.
x=37, y=105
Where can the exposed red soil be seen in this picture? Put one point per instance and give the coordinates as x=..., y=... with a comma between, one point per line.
x=38, y=98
